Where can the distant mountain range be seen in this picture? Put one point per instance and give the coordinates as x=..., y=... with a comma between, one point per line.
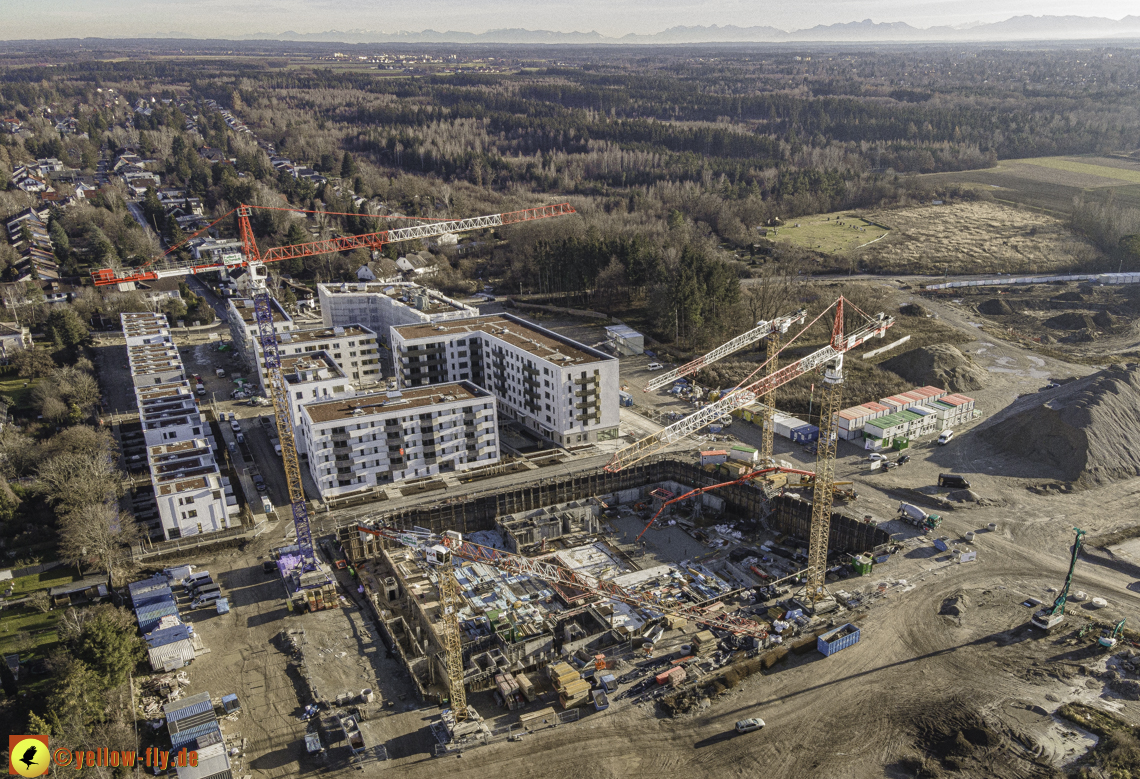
x=1017, y=28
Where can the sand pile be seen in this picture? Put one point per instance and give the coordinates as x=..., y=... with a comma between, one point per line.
x=1069, y=297
x=1087, y=431
x=941, y=365
x=995, y=307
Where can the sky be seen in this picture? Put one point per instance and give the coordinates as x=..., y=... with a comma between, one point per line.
x=228, y=19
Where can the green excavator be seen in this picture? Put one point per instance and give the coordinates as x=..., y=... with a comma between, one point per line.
x=1052, y=616
x=1109, y=640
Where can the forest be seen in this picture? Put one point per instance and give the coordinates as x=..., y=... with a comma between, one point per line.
x=673, y=157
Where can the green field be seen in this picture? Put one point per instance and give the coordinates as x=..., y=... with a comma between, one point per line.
x=1070, y=165
x=837, y=233
x=14, y=388
x=1050, y=184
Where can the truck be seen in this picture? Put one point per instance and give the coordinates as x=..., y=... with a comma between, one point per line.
x=908, y=512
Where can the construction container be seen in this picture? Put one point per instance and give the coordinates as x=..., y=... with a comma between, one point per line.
x=835, y=640
x=862, y=565
x=601, y=702
x=609, y=683
x=805, y=434
x=965, y=555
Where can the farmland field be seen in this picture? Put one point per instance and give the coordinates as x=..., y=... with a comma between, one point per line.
x=977, y=237
x=836, y=233
x=1051, y=183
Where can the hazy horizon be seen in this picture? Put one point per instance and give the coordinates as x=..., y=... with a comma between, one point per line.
x=224, y=19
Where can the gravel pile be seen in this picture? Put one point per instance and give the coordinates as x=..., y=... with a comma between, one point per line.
x=995, y=307
x=1087, y=431
x=941, y=365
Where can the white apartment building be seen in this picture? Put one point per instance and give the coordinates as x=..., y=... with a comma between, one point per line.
x=312, y=378
x=243, y=326
x=380, y=307
x=187, y=483
x=188, y=489
x=168, y=413
x=375, y=439
x=353, y=347
x=563, y=390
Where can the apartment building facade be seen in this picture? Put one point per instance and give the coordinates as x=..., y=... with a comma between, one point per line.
x=370, y=440
x=380, y=307
x=243, y=326
x=558, y=388
x=353, y=347
x=188, y=485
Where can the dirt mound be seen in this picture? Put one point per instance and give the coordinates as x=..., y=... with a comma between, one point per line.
x=1071, y=321
x=941, y=365
x=994, y=307
x=1104, y=320
x=964, y=496
x=1088, y=431
x=1069, y=297
x=954, y=605
x=913, y=309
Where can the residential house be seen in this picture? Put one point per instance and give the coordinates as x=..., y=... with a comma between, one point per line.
x=13, y=338
x=421, y=264
x=10, y=126
x=380, y=270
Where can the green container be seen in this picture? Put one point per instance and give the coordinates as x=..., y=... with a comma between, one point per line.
x=900, y=444
x=862, y=565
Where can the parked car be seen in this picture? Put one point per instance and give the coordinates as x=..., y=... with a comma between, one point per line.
x=946, y=437
x=749, y=725
x=235, y=425
x=903, y=459
x=259, y=482
x=873, y=456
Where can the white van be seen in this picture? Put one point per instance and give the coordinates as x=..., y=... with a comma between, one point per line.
x=655, y=366
x=749, y=725
x=946, y=437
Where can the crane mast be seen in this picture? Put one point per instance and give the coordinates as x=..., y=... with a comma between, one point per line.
x=768, y=411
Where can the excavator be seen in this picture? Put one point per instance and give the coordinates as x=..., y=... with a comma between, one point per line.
x=1052, y=616
x=1109, y=640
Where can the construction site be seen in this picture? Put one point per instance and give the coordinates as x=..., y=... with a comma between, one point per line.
x=923, y=584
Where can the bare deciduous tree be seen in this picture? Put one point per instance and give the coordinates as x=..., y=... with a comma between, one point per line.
x=100, y=533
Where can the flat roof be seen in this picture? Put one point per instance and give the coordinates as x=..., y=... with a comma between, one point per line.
x=291, y=365
x=171, y=389
x=401, y=292
x=189, y=445
x=325, y=334
x=198, y=483
x=387, y=402
x=540, y=342
x=249, y=313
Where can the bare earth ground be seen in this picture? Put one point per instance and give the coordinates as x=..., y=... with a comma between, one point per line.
x=914, y=680
x=977, y=237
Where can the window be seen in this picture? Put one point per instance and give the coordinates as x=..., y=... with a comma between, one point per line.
x=197, y=430
x=300, y=395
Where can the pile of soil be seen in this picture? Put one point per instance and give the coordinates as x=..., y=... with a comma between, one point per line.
x=1104, y=320
x=913, y=309
x=941, y=365
x=954, y=606
x=964, y=496
x=994, y=307
x=1071, y=321
x=1069, y=297
x=1087, y=431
